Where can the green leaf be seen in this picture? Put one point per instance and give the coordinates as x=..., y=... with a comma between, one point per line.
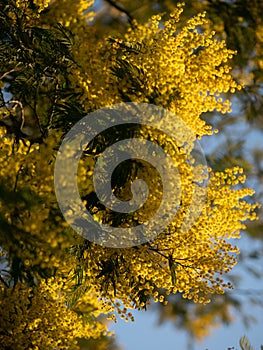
x=173, y=267
x=244, y=344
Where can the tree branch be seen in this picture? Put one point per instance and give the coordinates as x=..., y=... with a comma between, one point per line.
x=121, y=9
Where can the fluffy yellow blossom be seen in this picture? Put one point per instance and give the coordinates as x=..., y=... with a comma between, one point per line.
x=58, y=275
x=38, y=318
x=72, y=14
x=184, y=71
x=38, y=232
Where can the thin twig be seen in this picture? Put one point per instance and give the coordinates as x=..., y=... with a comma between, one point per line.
x=35, y=110
x=4, y=282
x=53, y=102
x=121, y=9
x=22, y=112
x=7, y=73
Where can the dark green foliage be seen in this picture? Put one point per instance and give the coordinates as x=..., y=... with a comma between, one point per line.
x=35, y=66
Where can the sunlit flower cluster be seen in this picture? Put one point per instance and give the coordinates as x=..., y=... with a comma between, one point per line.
x=38, y=318
x=73, y=14
x=38, y=233
x=182, y=68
